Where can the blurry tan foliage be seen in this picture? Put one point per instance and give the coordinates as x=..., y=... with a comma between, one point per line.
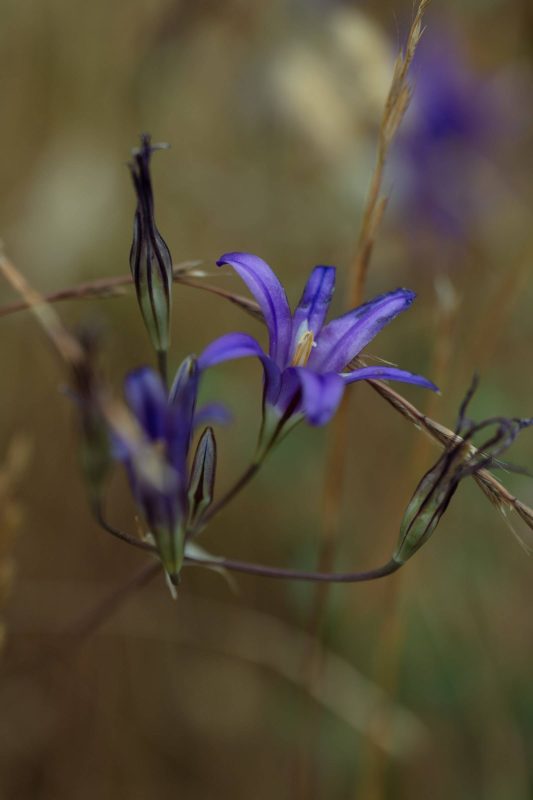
x=11, y=472
x=332, y=86
x=186, y=698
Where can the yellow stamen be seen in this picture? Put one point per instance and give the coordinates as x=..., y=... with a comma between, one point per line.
x=303, y=350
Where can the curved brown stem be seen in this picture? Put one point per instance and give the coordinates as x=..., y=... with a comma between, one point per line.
x=109, y=287
x=245, y=478
x=119, y=534
x=262, y=571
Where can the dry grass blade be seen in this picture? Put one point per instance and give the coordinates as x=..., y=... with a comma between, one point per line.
x=66, y=345
x=238, y=632
x=393, y=112
x=186, y=273
x=395, y=107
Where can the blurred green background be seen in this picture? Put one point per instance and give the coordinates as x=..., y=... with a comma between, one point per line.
x=423, y=684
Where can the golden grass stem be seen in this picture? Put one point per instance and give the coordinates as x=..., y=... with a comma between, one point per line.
x=114, y=286
x=395, y=107
x=371, y=780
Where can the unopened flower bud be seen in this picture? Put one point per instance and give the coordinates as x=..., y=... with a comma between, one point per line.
x=460, y=460
x=202, y=482
x=150, y=259
x=427, y=505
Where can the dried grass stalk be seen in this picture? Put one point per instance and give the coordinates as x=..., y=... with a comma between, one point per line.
x=396, y=105
x=186, y=273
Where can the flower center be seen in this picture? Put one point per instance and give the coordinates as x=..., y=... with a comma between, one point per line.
x=303, y=349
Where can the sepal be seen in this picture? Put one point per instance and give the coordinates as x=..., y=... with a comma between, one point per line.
x=202, y=482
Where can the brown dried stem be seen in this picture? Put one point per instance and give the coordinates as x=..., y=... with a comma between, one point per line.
x=105, y=287
x=185, y=273
x=395, y=107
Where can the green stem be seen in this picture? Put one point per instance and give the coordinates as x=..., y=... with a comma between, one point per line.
x=263, y=571
x=118, y=534
x=245, y=478
x=162, y=366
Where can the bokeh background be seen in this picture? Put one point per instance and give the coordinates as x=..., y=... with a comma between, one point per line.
x=420, y=686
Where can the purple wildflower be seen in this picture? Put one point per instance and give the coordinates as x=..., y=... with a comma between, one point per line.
x=157, y=465
x=305, y=370
x=454, y=123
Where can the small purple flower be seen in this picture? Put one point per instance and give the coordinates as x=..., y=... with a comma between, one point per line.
x=454, y=126
x=305, y=369
x=157, y=463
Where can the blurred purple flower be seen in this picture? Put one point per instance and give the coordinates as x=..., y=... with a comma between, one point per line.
x=158, y=473
x=453, y=118
x=305, y=369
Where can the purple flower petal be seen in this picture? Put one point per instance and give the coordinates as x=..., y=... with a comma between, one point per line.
x=343, y=338
x=212, y=413
x=147, y=399
x=271, y=297
x=229, y=347
x=387, y=374
x=180, y=413
x=321, y=394
x=314, y=303
x=241, y=345
x=285, y=399
x=185, y=384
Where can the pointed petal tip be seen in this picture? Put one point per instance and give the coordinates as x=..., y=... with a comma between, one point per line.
x=270, y=295
x=408, y=294
x=326, y=268
x=228, y=258
x=388, y=374
x=141, y=375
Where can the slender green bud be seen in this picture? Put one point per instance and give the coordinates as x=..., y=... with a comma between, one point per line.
x=150, y=259
x=461, y=459
x=428, y=504
x=202, y=482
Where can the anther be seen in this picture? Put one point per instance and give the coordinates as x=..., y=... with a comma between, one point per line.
x=303, y=350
